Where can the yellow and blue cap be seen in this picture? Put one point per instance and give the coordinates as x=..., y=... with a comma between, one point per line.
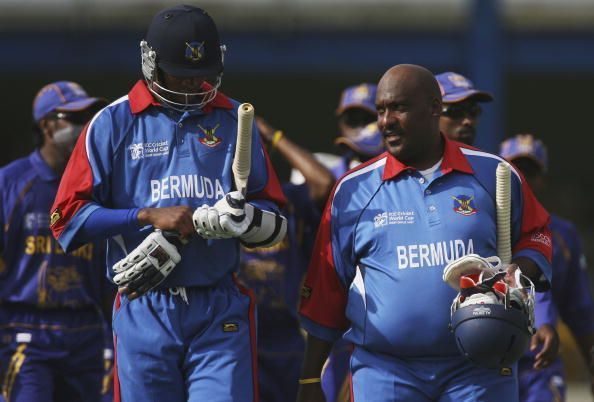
x=457, y=88
x=360, y=96
x=525, y=146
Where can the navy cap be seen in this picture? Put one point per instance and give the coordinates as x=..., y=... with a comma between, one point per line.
x=360, y=96
x=61, y=96
x=186, y=41
x=457, y=88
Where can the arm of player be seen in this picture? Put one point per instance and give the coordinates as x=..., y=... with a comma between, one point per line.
x=316, y=352
x=546, y=337
x=319, y=179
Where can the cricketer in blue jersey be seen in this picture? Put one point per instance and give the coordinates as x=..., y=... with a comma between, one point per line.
x=390, y=227
x=159, y=160
x=570, y=297
x=276, y=273
x=51, y=303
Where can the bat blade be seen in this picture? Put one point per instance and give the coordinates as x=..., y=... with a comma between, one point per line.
x=243, y=149
x=503, y=205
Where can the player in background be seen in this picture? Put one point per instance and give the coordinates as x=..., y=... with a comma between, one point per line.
x=53, y=306
x=357, y=142
x=276, y=273
x=372, y=273
x=150, y=171
x=570, y=297
x=461, y=107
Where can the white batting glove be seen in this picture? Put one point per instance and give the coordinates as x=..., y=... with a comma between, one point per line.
x=226, y=219
x=146, y=266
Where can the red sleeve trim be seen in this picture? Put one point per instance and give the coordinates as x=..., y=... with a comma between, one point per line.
x=75, y=188
x=535, y=232
x=323, y=297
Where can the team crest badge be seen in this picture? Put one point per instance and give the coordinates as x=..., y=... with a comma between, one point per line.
x=194, y=51
x=209, y=139
x=464, y=206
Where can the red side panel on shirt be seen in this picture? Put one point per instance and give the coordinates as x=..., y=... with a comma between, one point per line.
x=323, y=297
x=272, y=191
x=535, y=234
x=75, y=188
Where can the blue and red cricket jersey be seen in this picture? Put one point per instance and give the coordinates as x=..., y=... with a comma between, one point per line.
x=385, y=237
x=136, y=154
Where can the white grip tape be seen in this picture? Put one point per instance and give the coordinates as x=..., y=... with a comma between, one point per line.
x=243, y=149
x=503, y=205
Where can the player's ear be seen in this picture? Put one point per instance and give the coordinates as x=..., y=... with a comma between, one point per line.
x=436, y=107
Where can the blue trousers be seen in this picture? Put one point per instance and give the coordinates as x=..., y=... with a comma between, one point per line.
x=383, y=378
x=50, y=355
x=195, y=347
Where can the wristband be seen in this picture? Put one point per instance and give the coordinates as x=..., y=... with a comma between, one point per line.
x=276, y=137
x=305, y=381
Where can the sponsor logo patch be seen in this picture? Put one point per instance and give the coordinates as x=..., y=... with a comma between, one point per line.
x=305, y=292
x=505, y=371
x=55, y=217
x=230, y=327
x=481, y=311
x=541, y=238
x=148, y=149
x=463, y=205
x=394, y=218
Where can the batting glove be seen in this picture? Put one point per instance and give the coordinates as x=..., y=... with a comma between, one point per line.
x=226, y=219
x=146, y=266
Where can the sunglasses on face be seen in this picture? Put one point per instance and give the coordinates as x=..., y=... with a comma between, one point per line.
x=459, y=111
x=357, y=117
x=77, y=118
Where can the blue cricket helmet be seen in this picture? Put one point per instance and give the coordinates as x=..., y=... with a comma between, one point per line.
x=491, y=335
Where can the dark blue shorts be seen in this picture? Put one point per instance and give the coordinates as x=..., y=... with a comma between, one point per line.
x=50, y=355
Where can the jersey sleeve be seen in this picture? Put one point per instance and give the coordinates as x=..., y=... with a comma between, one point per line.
x=264, y=189
x=531, y=235
x=324, y=293
x=85, y=184
x=577, y=308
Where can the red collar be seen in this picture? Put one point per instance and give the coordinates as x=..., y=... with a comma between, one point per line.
x=141, y=98
x=453, y=159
